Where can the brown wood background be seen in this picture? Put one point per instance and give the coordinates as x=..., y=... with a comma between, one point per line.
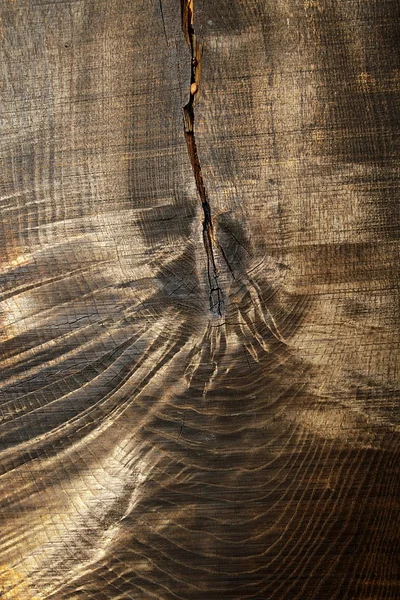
x=160, y=439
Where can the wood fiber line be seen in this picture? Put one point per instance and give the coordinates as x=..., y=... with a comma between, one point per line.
x=199, y=399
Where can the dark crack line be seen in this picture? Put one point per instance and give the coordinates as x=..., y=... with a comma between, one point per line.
x=227, y=261
x=163, y=21
x=216, y=294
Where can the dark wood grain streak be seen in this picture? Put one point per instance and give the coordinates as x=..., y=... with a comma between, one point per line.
x=158, y=439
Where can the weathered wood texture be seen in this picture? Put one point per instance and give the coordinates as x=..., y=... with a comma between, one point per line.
x=160, y=439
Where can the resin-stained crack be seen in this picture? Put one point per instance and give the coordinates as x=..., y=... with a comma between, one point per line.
x=216, y=295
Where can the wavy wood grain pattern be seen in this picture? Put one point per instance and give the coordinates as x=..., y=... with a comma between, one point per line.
x=199, y=385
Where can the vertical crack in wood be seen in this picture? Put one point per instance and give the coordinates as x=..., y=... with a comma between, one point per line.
x=216, y=294
x=163, y=21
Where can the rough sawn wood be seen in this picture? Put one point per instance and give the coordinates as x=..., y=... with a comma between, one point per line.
x=199, y=300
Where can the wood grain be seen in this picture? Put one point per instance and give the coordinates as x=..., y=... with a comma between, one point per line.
x=199, y=300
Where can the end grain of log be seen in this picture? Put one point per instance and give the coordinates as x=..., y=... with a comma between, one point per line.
x=199, y=410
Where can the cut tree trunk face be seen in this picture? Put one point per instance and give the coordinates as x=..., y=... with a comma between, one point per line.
x=199, y=300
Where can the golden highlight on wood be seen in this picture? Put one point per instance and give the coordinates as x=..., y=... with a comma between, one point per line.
x=199, y=300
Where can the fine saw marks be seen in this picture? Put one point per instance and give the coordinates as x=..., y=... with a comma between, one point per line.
x=199, y=351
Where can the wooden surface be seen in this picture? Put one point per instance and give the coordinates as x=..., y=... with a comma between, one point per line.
x=199, y=385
